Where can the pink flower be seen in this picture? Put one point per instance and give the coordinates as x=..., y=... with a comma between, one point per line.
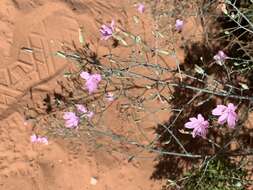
x=199, y=126
x=92, y=81
x=90, y=114
x=220, y=57
x=227, y=114
x=37, y=139
x=84, y=111
x=109, y=96
x=42, y=140
x=179, y=25
x=107, y=31
x=141, y=7
x=71, y=120
x=33, y=138
x=81, y=108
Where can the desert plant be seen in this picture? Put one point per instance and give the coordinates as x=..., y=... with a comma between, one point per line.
x=208, y=97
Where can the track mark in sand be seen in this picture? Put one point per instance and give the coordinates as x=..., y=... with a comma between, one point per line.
x=7, y=96
x=14, y=147
x=27, y=69
x=40, y=64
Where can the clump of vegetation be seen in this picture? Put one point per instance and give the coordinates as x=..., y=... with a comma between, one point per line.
x=208, y=96
x=217, y=174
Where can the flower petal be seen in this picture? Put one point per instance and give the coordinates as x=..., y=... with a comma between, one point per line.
x=193, y=119
x=219, y=110
x=194, y=134
x=223, y=118
x=67, y=115
x=85, y=75
x=232, y=107
x=231, y=120
x=81, y=108
x=33, y=138
x=216, y=58
x=97, y=77
x=191, y=125
x=200, y=118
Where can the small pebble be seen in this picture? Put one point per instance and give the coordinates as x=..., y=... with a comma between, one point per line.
x=93, y=181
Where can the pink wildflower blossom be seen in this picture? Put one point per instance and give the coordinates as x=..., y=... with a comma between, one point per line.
x=71, y=120
x=81, y=108
x=84, y=111
x=226, y=114
x=179, y=25
x=107, y=31
x=92, y=81
x=199, y=126
x=37, y=139
x=220, y=57
x=42, y=140
x=141, y=7
x=90, y=114
x=33, y=138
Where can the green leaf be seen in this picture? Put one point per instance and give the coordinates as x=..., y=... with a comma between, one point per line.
x=227, y=32
x=157, y=34
x=81, y=36
x=164, y=52
x=137, y=39
x=119, y=38
x=244, y=86
x=60, y=54
x=136, y=19
x=67, y=74
x=199, y=70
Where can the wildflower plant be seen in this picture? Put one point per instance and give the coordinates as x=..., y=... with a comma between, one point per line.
x=206, y=104
x=219, y=174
